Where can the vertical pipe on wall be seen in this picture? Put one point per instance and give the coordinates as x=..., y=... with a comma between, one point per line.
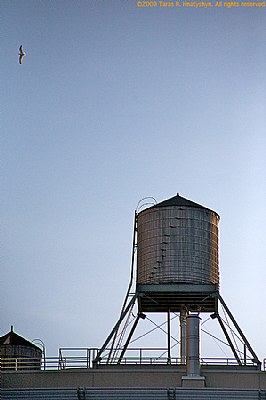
x=183, y=344
x=169, y=338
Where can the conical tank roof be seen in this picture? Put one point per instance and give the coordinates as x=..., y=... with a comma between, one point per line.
x=180, y=202
x=12, y=338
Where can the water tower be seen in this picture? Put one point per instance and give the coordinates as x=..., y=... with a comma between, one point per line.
x=177, y=271
x=177, y=258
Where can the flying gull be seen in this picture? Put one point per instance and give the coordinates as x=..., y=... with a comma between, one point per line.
x=21, y=54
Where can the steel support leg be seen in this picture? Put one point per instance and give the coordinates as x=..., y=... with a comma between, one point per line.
x=98, y=357
x=256, y=360
x=140, y=315
x=228, y=339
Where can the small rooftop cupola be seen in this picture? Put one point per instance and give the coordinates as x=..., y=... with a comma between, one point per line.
x=17, y=353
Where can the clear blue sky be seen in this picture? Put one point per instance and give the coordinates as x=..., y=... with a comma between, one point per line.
x=113, y=103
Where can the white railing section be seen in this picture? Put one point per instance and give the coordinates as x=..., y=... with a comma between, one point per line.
x=27, y=364
x=81, y=357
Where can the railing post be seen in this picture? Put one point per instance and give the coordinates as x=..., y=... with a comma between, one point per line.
x=60, y=360
x=245, y=354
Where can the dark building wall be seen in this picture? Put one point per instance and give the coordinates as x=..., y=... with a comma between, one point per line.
x=130, y=377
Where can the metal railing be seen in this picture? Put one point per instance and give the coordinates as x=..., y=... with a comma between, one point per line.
x=74, y=357
x=27, y=364
x=81, y=357
x=77, y=357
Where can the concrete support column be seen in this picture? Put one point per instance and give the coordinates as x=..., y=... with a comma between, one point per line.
x=193, y=345
x=193, y=378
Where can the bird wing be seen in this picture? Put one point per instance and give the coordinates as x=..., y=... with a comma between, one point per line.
x=20, y=49
x=20, y=58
